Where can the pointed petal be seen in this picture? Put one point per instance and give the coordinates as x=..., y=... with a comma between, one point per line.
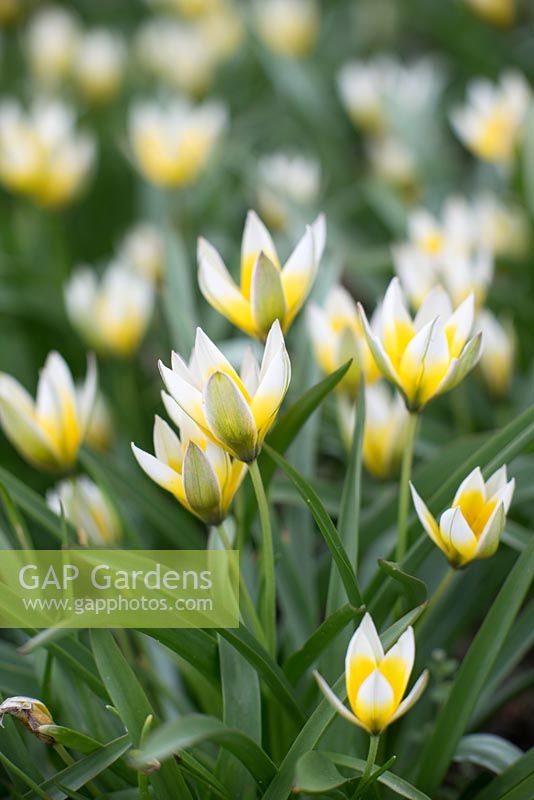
x=460, y=367
x=427, y=520
x=229, y=417
x=87, y=396
x=397, y=664
x=456, y=532
x=424, y=364
x=375, y=702
x=256, y=238
x=299, y=273
x=187, y=396
x=22, y=429
x=377, y=349
x=272, y=389
x=436, y=304
x=220, y=290
x=267, y=298
x=491, y=536
x=412, y=698
x=160, y=473
x=474, y=482
x=336, y=703
x=458, y=327
x=167, y=445
x=201, y=485
x=497, y=481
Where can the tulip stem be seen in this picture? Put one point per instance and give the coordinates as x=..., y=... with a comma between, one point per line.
x=244, y=595
x=404, y=487
x=268, y=606
x=442, y=587
x=371, y=758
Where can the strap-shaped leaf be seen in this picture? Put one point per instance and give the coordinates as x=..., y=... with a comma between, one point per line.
x=488, y=751
x=515, y=783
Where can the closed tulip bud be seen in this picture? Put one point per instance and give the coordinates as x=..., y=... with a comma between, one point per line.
x=233, y=411
x=429, y=354
x=41, y=153
x=51, y=43
x=172, y=143
x=112, y=316
x=31, y=712
x=337, y=336
x=200, y=474
x=88, y=509
x=492, y=120
x=498, y=354
x=376, y=681
x=48, y=432
x=267, y=292
x=143, y=249
x=288, y=27
x=472, y=527
x=99, y=65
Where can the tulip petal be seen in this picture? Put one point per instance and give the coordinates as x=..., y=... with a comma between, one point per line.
x=266, y=295
x=491, y=536
x=427, y=520
x=256, y=238
x=435, y=304
x=21, y=427
x=497, y=481
x=424, y=364
x=397, y=664
x=460, y=367
x=56, y=406
x=187, y=396
x=459, y=326
x=412, y=698
x=209, y=359
x=299, y=274
x=160, y=473
x=375, y=702
x=471, y=485
x=220, y=290
x=201, y=485
x=336, y=703
x=458, y=535
x=167, y=446
x=377, y=349
x=86, y=397
x=229, y=417
x=364, y=654
x=271, y=390
x=250, y=371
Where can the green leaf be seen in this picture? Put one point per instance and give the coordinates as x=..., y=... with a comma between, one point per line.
x=486, y=750
x=303, y=658
x=71, y=738
x=413, y=588
x=33, y=504
x=316, y=774
x=197, y=647
x=192, y=729
x=132, y=704
x=325, y=525
x=388, y=779
x=515, y=783
x=474, y=672
x=267, y=668
x=528, y=160
x=178, y=293
x=85, y=770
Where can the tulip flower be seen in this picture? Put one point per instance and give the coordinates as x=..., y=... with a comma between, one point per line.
x=337, y=336
x=111, y=316
x=31, y=712
x=376, y=681
x=48, y=433
x=41, y=154
x=286, y=181
x=86, y=506
x=172, y=143
x=394, y=161
x=143, y=249
x=99, y=65
x=472, y=527
x=233, y=411
x=101, y=428
x=491, y=123
x=288, y=27
x=428, y=355
x=498, y=354
x=498, y=12
x=52, y=41
x=267, y=292
x=384, y=433
x=201, y=475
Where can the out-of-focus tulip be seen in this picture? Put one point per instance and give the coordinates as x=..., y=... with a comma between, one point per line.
x=189, y=8
x=267, y=291
x=111, y=315
x=173, y=142
x=200, y=474
x=9, y=11
x=143, y=249
x=472, y=527
x=504, y=228
x=498, y=353
x=41, y=153
x=223, y=29
x=376, y=681
x=100, y=431
x=393, y=161
x=48, y=432
x=491, y=122
x=498, y=12
x=429, y=354
x=288, y=27
x=384, y=433
x=286, y=180
x=88, y=509
x=52, y=42
x=235, y=412
x=99, y=65
x=337, y=336
x=31, y=712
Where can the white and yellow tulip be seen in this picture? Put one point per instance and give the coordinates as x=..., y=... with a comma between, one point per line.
x=498, y=354
x=286, y=181
x=384, y=433
x=31, y=712
x=376, y=682
x=492, y=120
x=88, y=509
x=472, y=527
x=52, y=41
x=337, y=336
x=234, y=411
x=200, y=474
x=171, y=143
x=267, y=291
x=48, y=432
x=41, y=153
x=429, y=354
x=143, y=249
x=111, y=315
x=288, y=27
x=99, y=65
